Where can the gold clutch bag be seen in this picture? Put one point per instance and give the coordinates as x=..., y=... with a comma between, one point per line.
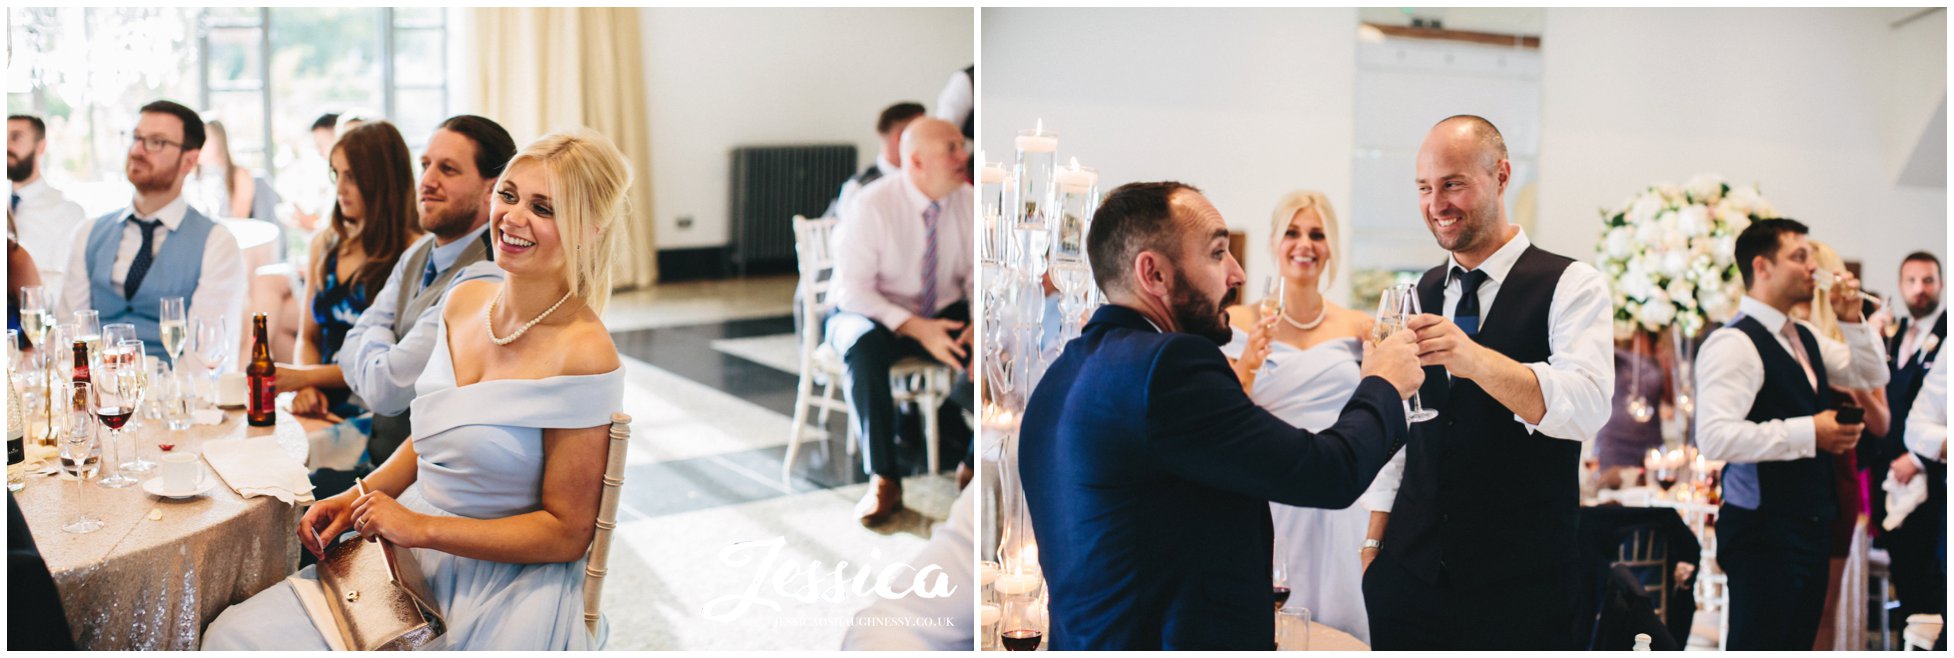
x=377, y=596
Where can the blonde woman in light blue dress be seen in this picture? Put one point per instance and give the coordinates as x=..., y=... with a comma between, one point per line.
x=1302, y=367
x=497, y=491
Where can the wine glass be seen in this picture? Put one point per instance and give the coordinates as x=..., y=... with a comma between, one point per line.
x=118, y=390
x=1395, y=306
x=79, y=457
x=175, y=328
x=1022, y=632
x=1279, y=575
x=213, y=343
x=88, y=329
x=1272, y=300
x=34, y=316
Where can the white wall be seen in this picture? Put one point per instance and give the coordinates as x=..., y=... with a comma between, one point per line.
x=1791, y=99
x=1245, y=104
x=724, y=78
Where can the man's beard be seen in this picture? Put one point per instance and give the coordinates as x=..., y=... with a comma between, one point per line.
x=20, y=167
x=452, y=221
x=1197, y=315
x=1478, y=228
x=158, y=180
x=1920, y=312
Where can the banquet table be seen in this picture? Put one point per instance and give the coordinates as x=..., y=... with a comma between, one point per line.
x=1323, y=637
x=143, y=583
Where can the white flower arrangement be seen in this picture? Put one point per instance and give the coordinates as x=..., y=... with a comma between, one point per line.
x=1668, y=253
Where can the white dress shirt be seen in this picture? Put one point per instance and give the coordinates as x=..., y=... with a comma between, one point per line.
x=45, y=223
x=851, y=187
x=221, y=287
x=380, y=364
x=957, y=100
x=879, y=251
x=1577, y=382
x=1926, y=430
x=1917, y=331
x=1729, y=374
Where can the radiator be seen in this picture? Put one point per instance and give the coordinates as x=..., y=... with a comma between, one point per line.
x=772, y=184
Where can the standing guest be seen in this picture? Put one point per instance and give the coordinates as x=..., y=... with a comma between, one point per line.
x=1926, y=435
x=1472, y=538
x=372, y=223
x=44, y=220
x=902, y=280
x=1919, y=571
x=1147, y=468
x=384, y=353
x=1765, y=405
x=497, y=493
x=1305, y=376
x=126, y=262
x=229, y=189
x=889, y=128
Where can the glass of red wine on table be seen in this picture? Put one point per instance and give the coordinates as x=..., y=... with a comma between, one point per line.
x=1279, y=575
x=1023, y=629
x=118, y=391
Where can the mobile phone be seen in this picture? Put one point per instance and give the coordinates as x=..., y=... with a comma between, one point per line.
x=1851, y=414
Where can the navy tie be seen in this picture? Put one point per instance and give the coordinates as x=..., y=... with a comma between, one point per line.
x=427, y=277
x=140, y=266
x=1466, y=315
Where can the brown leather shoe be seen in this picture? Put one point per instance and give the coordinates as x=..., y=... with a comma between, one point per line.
x=883, y=500
x=964, y=475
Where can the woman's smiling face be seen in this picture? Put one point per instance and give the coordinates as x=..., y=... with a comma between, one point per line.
x=522, y=221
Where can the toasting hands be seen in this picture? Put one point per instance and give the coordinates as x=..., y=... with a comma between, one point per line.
x=1396, y=360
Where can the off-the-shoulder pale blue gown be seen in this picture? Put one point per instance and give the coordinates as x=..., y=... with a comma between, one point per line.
x=480, y=454
x=1308, y=388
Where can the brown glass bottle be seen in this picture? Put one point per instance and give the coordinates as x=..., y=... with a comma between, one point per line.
x=81, y=374
x=262, y=376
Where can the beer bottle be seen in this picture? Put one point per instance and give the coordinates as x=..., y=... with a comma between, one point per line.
x=81, y=374
x=262, y=376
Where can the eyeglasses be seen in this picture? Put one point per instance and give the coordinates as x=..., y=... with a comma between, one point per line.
x=149, y=144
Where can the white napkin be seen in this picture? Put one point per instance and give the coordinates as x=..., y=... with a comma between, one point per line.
x=258, y=467
x=1901, y=499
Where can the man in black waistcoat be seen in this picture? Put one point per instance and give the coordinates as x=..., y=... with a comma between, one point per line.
x=1765, y=406
x=1472, y=534
x=1918, y=572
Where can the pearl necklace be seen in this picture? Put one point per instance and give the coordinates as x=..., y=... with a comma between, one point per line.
x=1312, y=324
x=488, y=319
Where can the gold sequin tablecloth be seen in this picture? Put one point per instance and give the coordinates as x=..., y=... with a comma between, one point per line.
x=139, y=583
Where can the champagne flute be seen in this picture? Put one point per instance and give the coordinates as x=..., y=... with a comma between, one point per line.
x=213, y=343
x=130, y=375
x=175, y=328
x=78, y=457
x=1395, y=306
x=34, y=317
x=88, y=329
x=1272, y=301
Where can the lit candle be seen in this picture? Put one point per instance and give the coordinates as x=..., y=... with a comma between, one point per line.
x=987, y=615
x=989, y=572
x=1075, y=180
x=1018, y=583
x=1038, y=141
x=991, y=174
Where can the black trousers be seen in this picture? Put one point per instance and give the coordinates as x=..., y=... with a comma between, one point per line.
x=870, y=350
x=1534, y=612
x=1919, y=570
x=1778, y=569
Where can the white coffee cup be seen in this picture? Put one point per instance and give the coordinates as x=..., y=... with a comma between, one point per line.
x=182, y=471
x=230, y=389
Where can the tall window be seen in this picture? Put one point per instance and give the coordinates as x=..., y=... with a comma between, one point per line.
x=267, y=73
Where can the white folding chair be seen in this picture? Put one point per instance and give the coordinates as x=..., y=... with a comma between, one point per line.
x=917, y=380
x=596, y=566
x=1921, y=631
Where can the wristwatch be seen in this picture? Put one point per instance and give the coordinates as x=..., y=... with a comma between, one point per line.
x=1372, y=543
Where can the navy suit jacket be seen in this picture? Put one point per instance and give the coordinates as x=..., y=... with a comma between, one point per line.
x=1149, y=474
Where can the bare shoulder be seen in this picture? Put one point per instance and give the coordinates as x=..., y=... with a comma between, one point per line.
x=467, y=297
x=590, y=351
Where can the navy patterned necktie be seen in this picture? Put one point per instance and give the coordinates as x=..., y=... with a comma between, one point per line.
x=427, y=276
x=1466, y=314
x=140, y=266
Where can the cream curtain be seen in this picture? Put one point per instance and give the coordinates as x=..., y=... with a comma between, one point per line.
x=542, y=68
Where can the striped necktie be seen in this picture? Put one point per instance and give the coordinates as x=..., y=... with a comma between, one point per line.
x=928, y=306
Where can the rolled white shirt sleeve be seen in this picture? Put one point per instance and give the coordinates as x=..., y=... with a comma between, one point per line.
x=1859, y=362
x=1577, y=383
x=221, y=287
x=858, y=259
x=1926, y=430
x=1729, y=374
x=1383, y=492
x=386, y=369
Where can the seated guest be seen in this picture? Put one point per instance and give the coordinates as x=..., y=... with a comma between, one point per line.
x=385, y=351
x=371, y=225
x=1765, y=404
x=889, y=128
x=229, y=190
x=20, y=274
x=1147, y=468
x=1302, y=366
x=126, y=262
x=497, y=492
x=1625, y=439
x=902, y=279
x=43, y=219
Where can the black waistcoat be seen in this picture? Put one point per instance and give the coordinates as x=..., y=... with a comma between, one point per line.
x=1800, y=488
x=1483, y=499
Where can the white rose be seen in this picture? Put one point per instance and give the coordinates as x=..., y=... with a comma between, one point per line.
x=1616, y=243
x=1724, y=250
x=1682, y=291
x=1635, y=283
x=1673, y=264
x=1694, y=220
x=1644, y=209
x=1671, y=193
x=1744, y=199
x=1705, y=188
x=1658, y=312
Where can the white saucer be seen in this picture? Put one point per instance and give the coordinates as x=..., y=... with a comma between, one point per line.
x=155, y=486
